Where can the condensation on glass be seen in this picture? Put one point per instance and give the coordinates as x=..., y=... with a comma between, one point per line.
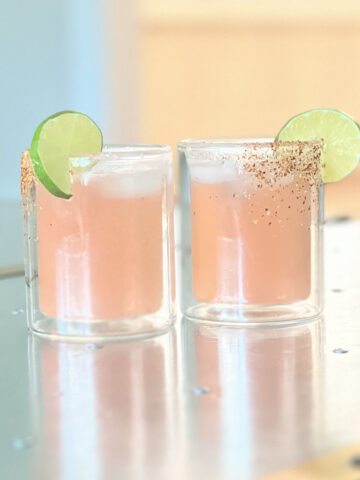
x=251, y=223
x=101, y=264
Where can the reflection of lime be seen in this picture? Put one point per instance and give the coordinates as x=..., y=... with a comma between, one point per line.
x=55, y=140
x=341, y=136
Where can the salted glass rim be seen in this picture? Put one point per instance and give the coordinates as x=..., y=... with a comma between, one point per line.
x=220, y=143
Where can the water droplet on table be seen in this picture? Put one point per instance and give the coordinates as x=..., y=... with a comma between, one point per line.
x=340, y=350
x=338, y=219
x=18, y=311
x=200, y=391
x=355, y=461
x=21, y=443
x=336, y=290
x=95, y=346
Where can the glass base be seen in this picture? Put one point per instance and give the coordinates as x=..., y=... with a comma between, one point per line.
x=253, y=315
x=101, y=330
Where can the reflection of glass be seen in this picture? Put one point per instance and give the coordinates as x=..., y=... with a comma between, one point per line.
x=105, y=411
x=256, y=218
x=259, y=408
x=101, y=263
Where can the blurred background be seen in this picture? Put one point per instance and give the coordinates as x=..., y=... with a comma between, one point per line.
x=156, y=71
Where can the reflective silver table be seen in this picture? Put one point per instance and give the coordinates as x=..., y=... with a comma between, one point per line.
x=198, y=402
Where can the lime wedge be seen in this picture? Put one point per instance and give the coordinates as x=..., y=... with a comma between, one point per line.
x=341, y=136
x=55, y=140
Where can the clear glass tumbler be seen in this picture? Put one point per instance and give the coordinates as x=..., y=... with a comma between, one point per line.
x=101, y=264
x=252, y=216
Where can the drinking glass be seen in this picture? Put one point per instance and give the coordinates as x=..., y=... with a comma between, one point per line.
x=101, y=263
x=252, y=216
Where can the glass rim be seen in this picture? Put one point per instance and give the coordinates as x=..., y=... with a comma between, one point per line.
x=126, y=152
x=231, y=143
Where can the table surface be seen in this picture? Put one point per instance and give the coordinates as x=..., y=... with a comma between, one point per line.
x=228, y=403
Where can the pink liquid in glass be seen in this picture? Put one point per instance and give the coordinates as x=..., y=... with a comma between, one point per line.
x=250, y=244
x=100, y=253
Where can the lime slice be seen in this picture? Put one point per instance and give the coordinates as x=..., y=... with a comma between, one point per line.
x=57, y=138
x=341, y=136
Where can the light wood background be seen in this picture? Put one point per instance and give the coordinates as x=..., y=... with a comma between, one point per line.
x=242, y=68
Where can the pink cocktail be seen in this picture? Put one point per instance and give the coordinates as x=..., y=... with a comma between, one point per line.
x=255, y=215
x=250, y=249
x=104, y=257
